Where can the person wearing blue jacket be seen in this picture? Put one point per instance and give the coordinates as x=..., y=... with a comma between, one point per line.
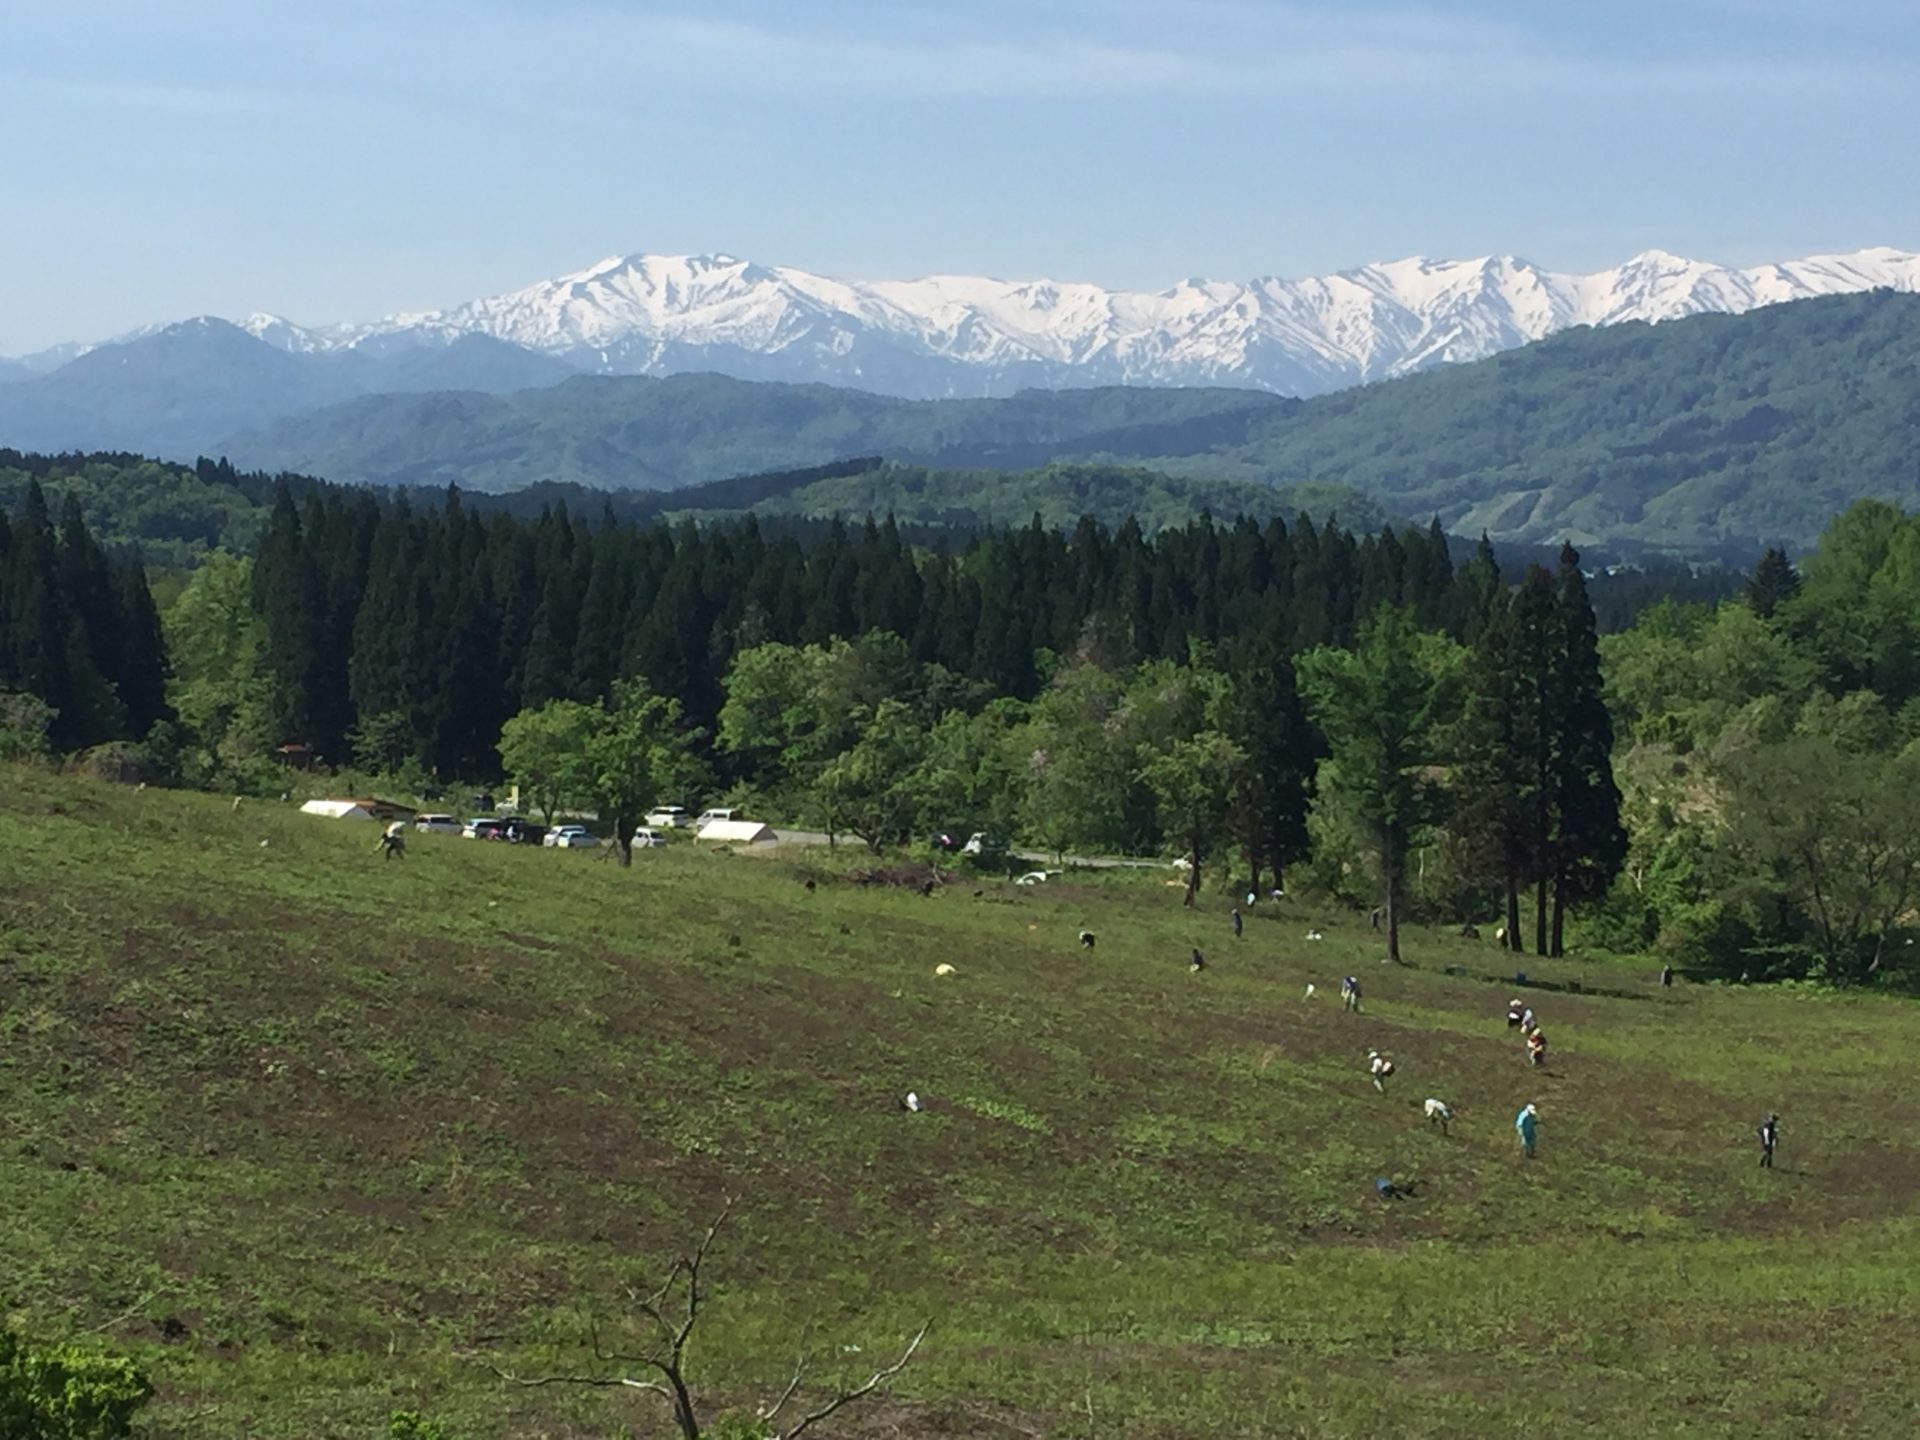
x=1524, y=1123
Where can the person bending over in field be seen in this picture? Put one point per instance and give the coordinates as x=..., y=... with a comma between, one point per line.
x=1350, y=993
x=1381, y=1068
x=1536, y=1048
x=1514, y=1009
x=393, y=842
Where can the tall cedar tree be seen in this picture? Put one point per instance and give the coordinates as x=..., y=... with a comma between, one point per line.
x=1266, y=718
x=287, y=597
x=94, y=713
x=1774, y=582
x=142, y=673
x=1494, y=785
x=1537, y=740
x=1589, y=843
x=35, y=642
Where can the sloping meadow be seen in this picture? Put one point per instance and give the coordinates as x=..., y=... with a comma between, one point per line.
x=317, y=1137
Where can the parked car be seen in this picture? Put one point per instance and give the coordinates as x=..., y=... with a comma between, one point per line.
x=981, y=843
x=437, y=825
x=707, y=816
x=482, y=827
x=570, y=837
x=646, y=839
x=521, y=832
x=668, y=817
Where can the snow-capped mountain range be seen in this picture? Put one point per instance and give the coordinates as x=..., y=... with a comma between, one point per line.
x=965, y=335
x=952, y=334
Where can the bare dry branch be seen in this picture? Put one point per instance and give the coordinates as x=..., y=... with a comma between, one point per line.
x=878, y=1378
x=613, y=1357
x=770, y=1413
x=692, y=1267
x=602, y=1382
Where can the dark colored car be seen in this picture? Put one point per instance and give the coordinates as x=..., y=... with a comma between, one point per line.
x=520, y=832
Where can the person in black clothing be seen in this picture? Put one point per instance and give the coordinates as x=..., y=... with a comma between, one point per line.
x=1237, y=922
x=1769, y=1137
x=1666, y=977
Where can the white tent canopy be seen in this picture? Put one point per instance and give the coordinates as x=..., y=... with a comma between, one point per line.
x=337, y=809
x=736, y=832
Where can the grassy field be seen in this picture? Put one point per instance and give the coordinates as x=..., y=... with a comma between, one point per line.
x=313, y=1136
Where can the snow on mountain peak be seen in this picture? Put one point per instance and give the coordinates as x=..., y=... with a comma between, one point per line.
x=967, y=334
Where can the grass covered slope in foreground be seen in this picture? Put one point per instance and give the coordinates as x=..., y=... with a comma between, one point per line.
x=303, y=1132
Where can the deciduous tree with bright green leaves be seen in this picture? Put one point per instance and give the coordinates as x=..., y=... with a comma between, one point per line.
x=1384, y=708
x=544, y=752
x=639, y=750
x=1194, y=781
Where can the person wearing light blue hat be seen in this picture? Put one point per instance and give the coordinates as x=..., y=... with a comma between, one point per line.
x=1524, y=1124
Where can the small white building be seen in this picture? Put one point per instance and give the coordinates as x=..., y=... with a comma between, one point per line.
x=736, y=832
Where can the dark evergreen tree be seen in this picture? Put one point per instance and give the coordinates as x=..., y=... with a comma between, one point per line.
x=378, y=679
x=1500, y=766
x=141, y=674
x=471, y=704
x=1268, y=721
x=85, y=584
x=1589, y=842
x=287, y=597
x=1478, y=592
x=1774, y=582
x=36, y=643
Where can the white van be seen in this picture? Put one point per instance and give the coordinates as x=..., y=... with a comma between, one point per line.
x=710, y=815
x=667, y=817
x=645, y=838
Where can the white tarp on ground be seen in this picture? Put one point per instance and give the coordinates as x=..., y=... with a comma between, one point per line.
x=337, y=809
x=736, y=832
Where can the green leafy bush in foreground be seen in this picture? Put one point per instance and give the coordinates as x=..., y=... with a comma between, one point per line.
x=66, y=1392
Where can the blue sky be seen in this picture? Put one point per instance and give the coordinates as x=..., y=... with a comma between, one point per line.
x=337, y=160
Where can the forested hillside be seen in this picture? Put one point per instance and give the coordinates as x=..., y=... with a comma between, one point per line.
x=1713, y=435
x=172, y=514
x=1059, y=494
x=176, y=514
x=635, y=432
x=1685, y=436
x=179, y=391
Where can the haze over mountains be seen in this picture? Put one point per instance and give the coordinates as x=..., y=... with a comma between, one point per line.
x=1711, y=431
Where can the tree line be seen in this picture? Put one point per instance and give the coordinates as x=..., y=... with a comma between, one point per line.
x=82, y=658
x=1720, y=782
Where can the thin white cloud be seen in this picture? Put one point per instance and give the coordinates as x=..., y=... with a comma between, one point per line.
x=1239, y=48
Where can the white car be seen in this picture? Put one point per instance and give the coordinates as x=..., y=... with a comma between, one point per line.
x=436, y=825
x=667, y=817
x=481, y=827
x=645, y=838
x=708, y=816
x=570, y=837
